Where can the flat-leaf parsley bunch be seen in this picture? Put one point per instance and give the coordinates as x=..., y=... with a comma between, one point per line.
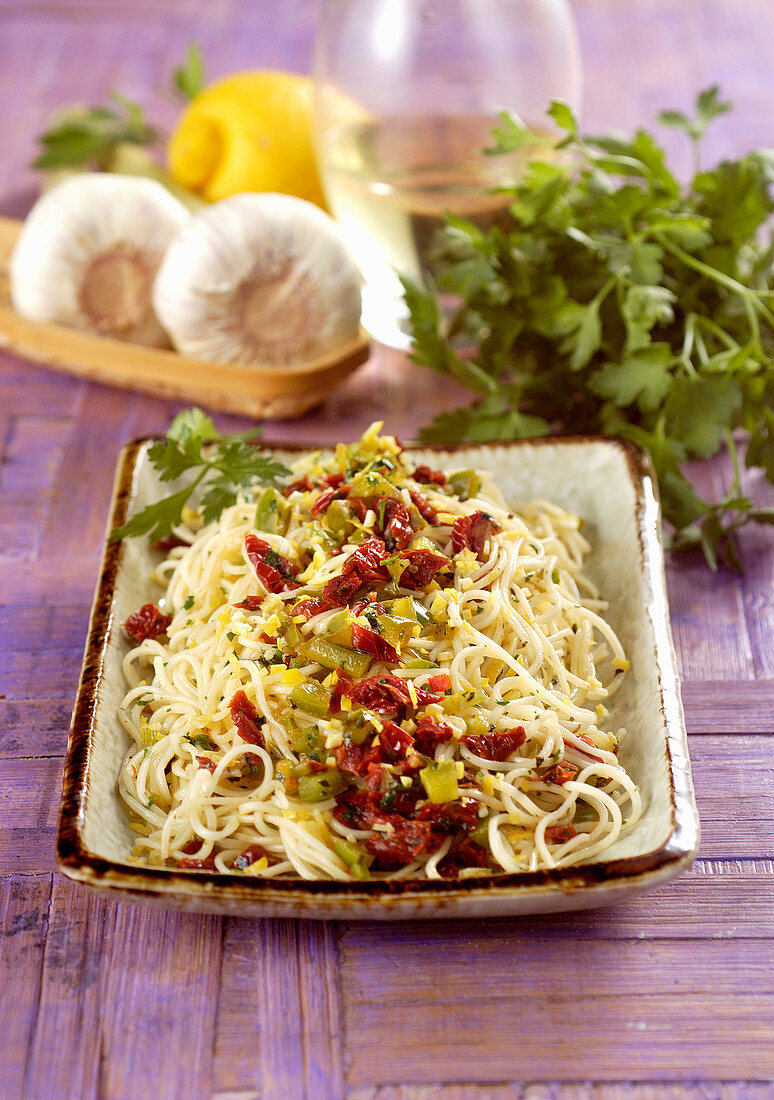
x=618, y=301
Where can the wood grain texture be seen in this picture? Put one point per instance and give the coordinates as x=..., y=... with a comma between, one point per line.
x=65, y=1049
x=579, y=988
x=161, y=976
x=281, y=1033
x=541, y=1090
x=23, y=930
x=668, y=996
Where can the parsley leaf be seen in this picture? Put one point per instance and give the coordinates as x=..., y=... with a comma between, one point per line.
x=220, y=464
x=189, y=78
x=642, y=379
x=89, y=136
x=618, y=300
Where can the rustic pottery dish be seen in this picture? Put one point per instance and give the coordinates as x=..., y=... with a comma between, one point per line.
x=610, y=485
x=265, y=393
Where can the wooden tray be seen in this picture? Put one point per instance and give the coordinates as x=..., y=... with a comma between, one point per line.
x=262, y=392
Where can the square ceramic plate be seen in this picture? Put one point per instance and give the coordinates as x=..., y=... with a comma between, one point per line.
x=606, y=482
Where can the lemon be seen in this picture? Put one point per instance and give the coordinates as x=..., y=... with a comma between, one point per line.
x=250, y=131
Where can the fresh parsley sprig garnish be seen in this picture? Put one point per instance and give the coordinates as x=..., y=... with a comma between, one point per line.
x=221, y=465
x=89, y=136
x=189, y=79
x=92, y=137
x=619, y=301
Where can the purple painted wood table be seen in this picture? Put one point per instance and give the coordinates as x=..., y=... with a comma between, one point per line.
x=668, y=995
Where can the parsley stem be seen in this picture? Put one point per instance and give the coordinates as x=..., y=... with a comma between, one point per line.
x=701, y=348
x=731, y=447
x=750, y=298
x=718, y=332
x=688, y=341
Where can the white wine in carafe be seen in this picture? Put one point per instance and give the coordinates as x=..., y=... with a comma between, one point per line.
x=390, y=184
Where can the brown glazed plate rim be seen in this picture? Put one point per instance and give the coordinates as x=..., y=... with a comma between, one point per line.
x=551, y=889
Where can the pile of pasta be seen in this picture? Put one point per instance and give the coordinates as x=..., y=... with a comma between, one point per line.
x=382, y=670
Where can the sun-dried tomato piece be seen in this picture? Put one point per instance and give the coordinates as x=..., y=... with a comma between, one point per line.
x=333, y=492
x=472, y=532
x=169, y=542
x=251, y=603
x=367, y=560
x=206, y=864
x=368, y=603
x=322, y=502
x=497, y=745
x=313, y=605
x=388, y=694
x=147, y=622
x=273, y=571
x=592, y=751
x=407, y=841
x=246, y=719
x=249, y=856
x=422, y=567
x=395, y=741
x=354, y=808
x=449, y=816
x=424, y=507
x=396, y=524
x=303, y=485
x=368, y=641
x=430, y=733
x=205, y=762
x=558, y=834
x=360, y=507
x=354, y=759
x=466, y=853
x=560, y=773
x=333, y=480
x=339, y=590
x=429, y=476
x=363, y=566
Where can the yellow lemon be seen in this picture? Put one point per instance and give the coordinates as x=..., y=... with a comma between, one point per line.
x=251, y=131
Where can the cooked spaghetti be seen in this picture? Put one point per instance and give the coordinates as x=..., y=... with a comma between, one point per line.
x=382, y=672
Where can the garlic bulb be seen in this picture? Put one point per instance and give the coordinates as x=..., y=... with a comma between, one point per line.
x=261, y=279
x=88, y=253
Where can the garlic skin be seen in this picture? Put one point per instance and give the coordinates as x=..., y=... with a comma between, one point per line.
x=88, y=253
x=261, y=279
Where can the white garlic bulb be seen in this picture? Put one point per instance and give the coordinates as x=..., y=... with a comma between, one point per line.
x=262, y=279
x=88, y=253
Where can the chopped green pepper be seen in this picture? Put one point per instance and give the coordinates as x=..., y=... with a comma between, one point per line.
x=305, y=740
x=332, y=655
x=371, y=484
x=339, y=628
x=311, y=697
x=439, y=779
x=321, y=785
x=356, y=858
x=408, y=608
x=346, y=851
x=398, y=632
x=339, y=519
x=464, y=484
x=272, y=512
x=480, y=835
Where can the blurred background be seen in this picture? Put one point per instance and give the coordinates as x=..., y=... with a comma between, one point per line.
x=639, y=56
